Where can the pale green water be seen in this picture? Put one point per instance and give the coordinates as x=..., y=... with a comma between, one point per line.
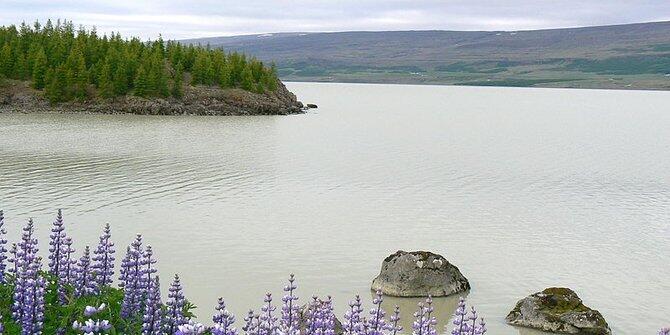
x=521, y=188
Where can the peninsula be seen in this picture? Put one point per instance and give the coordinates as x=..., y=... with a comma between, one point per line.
x=57, y=68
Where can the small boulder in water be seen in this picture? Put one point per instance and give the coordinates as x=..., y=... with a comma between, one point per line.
x=419, y=274
x=312, y=106
x=558, y=310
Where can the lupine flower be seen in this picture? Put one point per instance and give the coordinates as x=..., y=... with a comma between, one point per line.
x=377, y=323
x=191, y=328
x=425, y=322
x=175, y=307
x=268, y=321
x=467, y=325
x=103, y=260
x=90, y=310
x=25, y=270
x=91, y=327
x=56, y=239
x=84, y=283
x=223, y=320
x=147, y=263
x=32, y=306
x=394, y=326
x=67, y=269
x=320, y=317
x=152, y=322
x=131, y=279
x=251, y=324
x=3, y=249
x=664, y=331
x=352, y=317
x=290, y=320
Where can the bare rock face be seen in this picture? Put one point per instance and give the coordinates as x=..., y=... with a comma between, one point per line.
x=419, y=274
x=558, y=310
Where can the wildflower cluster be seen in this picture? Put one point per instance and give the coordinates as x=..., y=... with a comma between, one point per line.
x=466, y=324
x=69, y=291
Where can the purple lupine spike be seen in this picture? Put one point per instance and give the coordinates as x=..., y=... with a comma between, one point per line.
x=84, y=283
x=3, y=249
x=175, y=307
x=664, y=331
x=268, y=321
x=132, y=279
x=251, y=324
x=377, y=323
x=223, y=320
x=56, y=239
x=290, y=320
x=91, y=326
x=431, y=322
x=191, y=328
x=352, y=318
x=327, y=317
x=148, y=269
x=312, y=320
x=103, y=260
x=419, y=324
x=467, y=325
x=152, y=322
x=25, y=270
x=394, y=326
x=67, y=269
x=32, y=304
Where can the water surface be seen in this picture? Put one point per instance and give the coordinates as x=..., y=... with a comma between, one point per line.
x=521, y=188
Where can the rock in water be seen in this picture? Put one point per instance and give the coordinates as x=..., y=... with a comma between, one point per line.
x=419, y=274
x=558, y=310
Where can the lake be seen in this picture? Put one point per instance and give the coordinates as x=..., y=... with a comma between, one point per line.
x=522, y=189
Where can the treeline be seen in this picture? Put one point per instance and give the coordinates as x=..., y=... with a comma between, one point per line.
x=78, y=64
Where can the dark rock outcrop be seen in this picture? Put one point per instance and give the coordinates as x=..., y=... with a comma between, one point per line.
x=419, y=274
x=199, y=100
x=558, y=310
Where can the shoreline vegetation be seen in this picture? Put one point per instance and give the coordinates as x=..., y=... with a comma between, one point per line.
x=78, y=295
x=57, y=68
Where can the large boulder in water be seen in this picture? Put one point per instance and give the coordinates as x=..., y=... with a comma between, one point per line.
x=419, y=274
x=558, y=310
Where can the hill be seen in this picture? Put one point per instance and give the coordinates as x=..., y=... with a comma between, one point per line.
x=633, y=56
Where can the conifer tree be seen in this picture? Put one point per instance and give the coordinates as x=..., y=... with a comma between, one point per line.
x=141, y=83
x=39, y=66
x=106, y=85
x=177, y=85
x=247, y=80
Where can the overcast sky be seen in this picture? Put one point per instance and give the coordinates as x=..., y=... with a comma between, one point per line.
x=177, y=19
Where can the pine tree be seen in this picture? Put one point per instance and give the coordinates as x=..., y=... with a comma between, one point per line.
x=141, y=83
x=6, y=60
x=39, y=66
x=177, y=85
x=120, y=79
x=247, y=80
x=106, y=85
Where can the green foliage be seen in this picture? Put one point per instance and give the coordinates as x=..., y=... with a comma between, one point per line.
x=178, y=82
x=61, y=316
x=74, y=64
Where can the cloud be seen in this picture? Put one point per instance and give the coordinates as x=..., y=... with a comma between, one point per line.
x=199, y=18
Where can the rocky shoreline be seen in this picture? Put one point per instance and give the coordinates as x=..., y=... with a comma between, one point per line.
x=18, y=97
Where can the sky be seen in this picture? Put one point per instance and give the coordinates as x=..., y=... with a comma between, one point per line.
x=179, y=19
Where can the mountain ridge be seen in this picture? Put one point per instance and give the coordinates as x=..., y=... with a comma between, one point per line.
x=615, y=56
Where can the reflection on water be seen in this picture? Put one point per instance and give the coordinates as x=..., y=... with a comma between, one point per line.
x=522, y=189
